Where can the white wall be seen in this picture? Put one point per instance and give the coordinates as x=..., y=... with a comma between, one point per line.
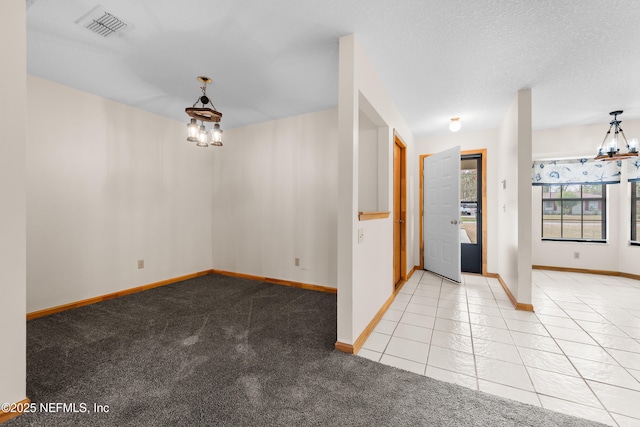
x=12, y=201
x=615, y=255
x=484, y=139
x=524, y=147
x=275, y=188
x=514, y=204
x=107, y=185
x=365, y=270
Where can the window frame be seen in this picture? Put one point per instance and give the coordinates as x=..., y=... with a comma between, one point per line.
x=634, y=197
x=582, y=201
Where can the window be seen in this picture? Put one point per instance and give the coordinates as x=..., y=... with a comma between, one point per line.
x=574, y=212
x=635, y=213
x=469, y=198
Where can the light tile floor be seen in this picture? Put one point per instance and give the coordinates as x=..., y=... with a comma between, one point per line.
x=579, y=353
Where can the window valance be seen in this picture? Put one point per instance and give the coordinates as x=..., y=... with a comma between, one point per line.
x=577, y=171
x=633, y=170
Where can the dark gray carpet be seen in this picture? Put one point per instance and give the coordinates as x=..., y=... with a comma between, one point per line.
x=217, y=350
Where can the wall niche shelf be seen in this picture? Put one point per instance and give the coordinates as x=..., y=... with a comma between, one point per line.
x=365, y=216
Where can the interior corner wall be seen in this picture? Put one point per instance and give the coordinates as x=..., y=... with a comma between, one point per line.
x=514, y=200
x=365, y=270
x=108, y=185
x=13, y=110
x=275, y=196
x=483, y=139
x=614, y=255
x=525, y=140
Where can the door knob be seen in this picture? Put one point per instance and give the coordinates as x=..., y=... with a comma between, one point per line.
x=454, y=221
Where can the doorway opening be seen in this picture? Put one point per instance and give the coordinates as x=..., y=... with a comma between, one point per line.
x=471, y=209
x=480, y=225
x=399, y=213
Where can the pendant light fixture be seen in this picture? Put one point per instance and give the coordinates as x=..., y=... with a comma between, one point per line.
x=609, y=149
x=199, y=133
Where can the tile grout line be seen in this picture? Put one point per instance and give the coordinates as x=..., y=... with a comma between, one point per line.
x=571, y=362
x=435, y=317
x=399, y=321
x=584, y=380
x=473, y=348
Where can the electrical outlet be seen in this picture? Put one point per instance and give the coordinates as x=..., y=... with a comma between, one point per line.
x=297, y=262
x=140, y=264
x=576, y=255
x=360, y=235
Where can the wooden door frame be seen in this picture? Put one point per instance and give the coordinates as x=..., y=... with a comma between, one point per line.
x=403, y=211
x=483, y=153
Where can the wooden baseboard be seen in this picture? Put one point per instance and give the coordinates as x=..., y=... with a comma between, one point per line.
x=525, y=307
x=345, y=348
x=64, y=307
x=575, y=270
x=359, y=342
x=17, y=409
x=413, y=270
x=630, y=276
x=357, y=345
x=301, y=285
x=517, y=305
x=47, y=311
x=587, y=271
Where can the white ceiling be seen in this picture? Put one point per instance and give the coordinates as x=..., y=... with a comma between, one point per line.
x=278, y=58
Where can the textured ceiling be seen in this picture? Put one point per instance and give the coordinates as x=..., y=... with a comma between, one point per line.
x=278, y=58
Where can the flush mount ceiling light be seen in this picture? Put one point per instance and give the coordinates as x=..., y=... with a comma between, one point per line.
x=609, y=149
x=455, y=124
x=198, y=133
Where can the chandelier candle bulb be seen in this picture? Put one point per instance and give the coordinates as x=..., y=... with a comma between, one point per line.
x=216, y=136
x=192, y=131
x=203, y=137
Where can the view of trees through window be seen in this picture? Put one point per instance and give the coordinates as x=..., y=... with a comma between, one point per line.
x=468, y=185
x=574, y=212
x=468, y=201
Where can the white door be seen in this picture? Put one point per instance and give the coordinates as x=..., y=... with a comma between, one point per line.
x=442, y=214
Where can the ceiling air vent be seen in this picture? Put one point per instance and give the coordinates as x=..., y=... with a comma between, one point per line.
x=102, y=23
x=106, y=25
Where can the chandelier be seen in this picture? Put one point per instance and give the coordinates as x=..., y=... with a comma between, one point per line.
x=609, y=149
x=198, y=133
